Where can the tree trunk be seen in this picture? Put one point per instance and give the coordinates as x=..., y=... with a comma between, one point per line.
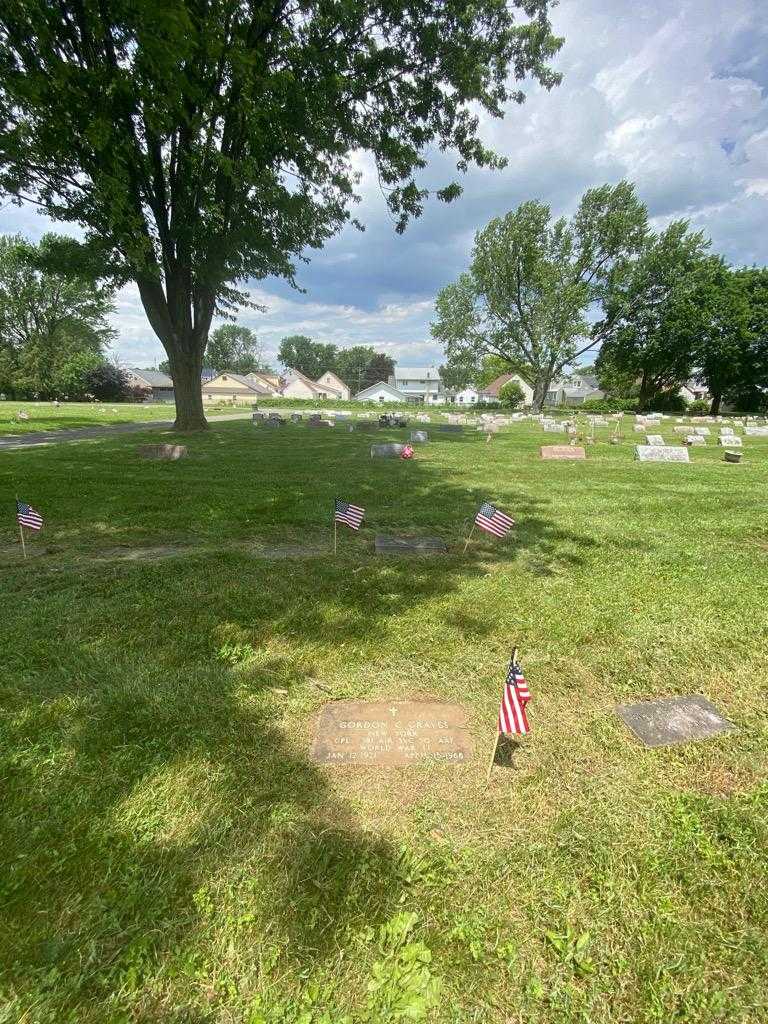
x=540, y=389
x=186, y=367
x=647, y=392
x=717, y=398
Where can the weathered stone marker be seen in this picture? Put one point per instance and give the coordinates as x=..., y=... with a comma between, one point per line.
x=671, y=720
x=409, y=545
x=296, y=417
x=756, y=431
x=449, y=428
x=163, y=451
x=419, y=437
x=659, y=453
x=732, y=440
x=562, y=451
x=391, y=733
x=386, y=451
x=704, y=431
x=694, y=439
x=655, y=439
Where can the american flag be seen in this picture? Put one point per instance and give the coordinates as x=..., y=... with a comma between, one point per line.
x=27, y=516
x=352, y=515
x=516, y=695
x=493, y=520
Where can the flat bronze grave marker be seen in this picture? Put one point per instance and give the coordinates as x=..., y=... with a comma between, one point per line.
x=672, y=720
x=562, y=451
x=391, y=733
x=409, y=545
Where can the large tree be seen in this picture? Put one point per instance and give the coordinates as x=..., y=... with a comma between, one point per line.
x=46, y=317
x=201, y=143
x=380, y=368
x=351, y=364
x=312, y=358
x=235, y=348
x=531, y=283
x=654, y=316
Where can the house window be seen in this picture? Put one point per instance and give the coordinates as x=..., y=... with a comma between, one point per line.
x=461, y=398
x=381, y=398
x=223, y=376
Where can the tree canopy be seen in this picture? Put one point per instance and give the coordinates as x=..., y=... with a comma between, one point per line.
x=235, y=348
x=531, y=282
x=203, y=144
x=312, y=358
x=47, y=319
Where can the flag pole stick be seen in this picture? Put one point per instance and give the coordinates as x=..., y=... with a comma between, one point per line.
x=335, y=525
x=21, y=528
x=513, y=659
x=469, y=538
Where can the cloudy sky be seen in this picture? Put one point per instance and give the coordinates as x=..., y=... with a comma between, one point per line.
x=671, y=94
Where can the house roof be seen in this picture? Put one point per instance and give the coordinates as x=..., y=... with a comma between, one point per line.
x=313, y=385
x=330, y=373
x=252, y=385
x=493, y=389
x=376, y=387
x=268, y=380
x=152, y=378
x=417, y=373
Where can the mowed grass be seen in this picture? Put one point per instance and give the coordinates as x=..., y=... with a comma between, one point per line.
x=169, y=852
x=74, y=415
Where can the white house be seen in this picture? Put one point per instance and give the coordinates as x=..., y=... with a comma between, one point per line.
x=381, y=392
x=419, y=384
x=299, y=386
x=330, y=380
x=491, y=392
x=467, y=396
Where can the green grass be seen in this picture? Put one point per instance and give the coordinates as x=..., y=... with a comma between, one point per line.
x=168, y=853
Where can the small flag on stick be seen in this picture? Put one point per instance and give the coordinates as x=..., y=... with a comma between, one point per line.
x=512, y=717
x=350, y=515
x=29, y=517
x=492, y=520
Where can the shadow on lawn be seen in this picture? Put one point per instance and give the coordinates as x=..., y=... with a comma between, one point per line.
x=151, y=791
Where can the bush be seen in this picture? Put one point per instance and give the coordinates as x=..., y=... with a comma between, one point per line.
x=667, y=401
x=609, y=405
x=511, y=395
x=699, y=407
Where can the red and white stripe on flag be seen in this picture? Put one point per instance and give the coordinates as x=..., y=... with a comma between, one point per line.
x=512, y=716
x=493, y=520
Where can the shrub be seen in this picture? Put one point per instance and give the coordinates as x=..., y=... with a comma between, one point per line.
x=667, y=401
x=511, y=395
x=609, y=405
x=699, y=407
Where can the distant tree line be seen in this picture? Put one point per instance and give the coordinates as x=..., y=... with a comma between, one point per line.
x=359, y=367
x=661, y=307
x=54, y=327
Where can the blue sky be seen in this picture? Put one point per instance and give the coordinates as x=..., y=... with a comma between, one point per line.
x=672, y=94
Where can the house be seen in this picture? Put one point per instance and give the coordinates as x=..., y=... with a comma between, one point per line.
x=270, y=381
x=573, y=390
x=381, y=392
x=419, y=384
x=491, y=392
x=298, y=385
x=234, y=387
x=206, y=374
x=330, y=380
x=467, y=396
x=693, y=392
x=157, y=386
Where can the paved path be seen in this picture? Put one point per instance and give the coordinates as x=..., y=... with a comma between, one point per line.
x=11, y=441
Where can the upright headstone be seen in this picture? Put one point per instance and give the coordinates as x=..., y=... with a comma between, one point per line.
x=654, y=439
x=702, y=431
x=659, y=453
x=732, y=440
x=419, y=437
x=694, y=439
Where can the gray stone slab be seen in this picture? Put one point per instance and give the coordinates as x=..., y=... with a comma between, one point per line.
x=367, y=425
x=257, y=417
x=163, y=451
x=419, y=437
x=278, y=552
x=655, y=439
x=694, y=439
x=756, y=431
x=660, y=453
x=296, y=417
x=673, y=720
x=386, y=451
x=384, y=545
x=449, y=428
x=272, y=421
x=704, y=431
x=730, y=440
x=319, y=423
x=391, y=733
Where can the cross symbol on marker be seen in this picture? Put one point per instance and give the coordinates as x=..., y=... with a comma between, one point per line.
x=393, y=711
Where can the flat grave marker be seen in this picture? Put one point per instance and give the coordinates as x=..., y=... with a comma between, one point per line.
x=391, y=733
x=449, y=428
x=384, y=545
x=732, y=440
x=562, y=451
x=756, y=431
x=673, y=720
x=656, y=439
x=704, y=431
x=419, y=437
x=163, y=451
x=695, y=439
x=660, y=453
x=387, y=451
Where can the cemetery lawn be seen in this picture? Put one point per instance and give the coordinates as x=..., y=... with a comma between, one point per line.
x=73, y=415
x=169, y=853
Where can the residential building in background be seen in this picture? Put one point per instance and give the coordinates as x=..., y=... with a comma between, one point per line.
x=297, y=385
x=381, y=392
x=157, y=386
x=330, y=380
x=235, y=387
x=491, y=392
x=419, y=384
